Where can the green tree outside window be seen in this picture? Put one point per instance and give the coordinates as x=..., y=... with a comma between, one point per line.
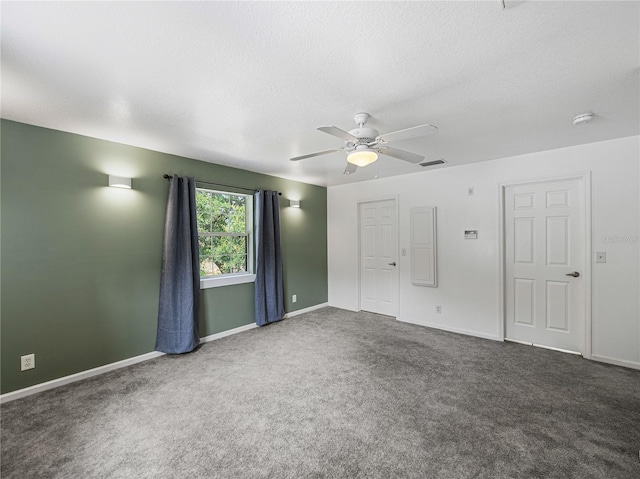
x=222, y=232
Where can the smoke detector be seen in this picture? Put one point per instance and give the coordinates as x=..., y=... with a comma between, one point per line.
x=583, y=119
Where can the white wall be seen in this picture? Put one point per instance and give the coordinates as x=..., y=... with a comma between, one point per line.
x=468, y=270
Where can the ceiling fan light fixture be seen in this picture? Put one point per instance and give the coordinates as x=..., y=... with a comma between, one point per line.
x=362, y=157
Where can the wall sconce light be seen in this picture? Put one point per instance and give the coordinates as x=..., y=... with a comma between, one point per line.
x=294, y=203
x=119, y=182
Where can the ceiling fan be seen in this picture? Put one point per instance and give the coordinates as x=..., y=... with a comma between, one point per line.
x=364, y=144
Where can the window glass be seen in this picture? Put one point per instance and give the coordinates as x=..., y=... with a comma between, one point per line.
x=223, y=232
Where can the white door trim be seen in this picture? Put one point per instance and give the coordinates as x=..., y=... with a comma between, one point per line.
x=585, y=177
x=396, y=293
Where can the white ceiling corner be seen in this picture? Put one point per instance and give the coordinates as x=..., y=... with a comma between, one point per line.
x=246, y=84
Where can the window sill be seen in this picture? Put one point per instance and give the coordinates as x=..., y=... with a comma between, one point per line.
x=227, y=280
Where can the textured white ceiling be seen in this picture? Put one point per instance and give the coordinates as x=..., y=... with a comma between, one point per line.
x=246, y=83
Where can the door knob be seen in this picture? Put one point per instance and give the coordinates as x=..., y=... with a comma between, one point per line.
x=392, y=264
x=575, y=274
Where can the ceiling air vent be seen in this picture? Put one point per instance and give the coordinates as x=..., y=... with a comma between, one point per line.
x=432, y=163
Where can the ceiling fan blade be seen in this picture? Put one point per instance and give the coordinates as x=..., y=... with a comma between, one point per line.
x=401, y=154
x=335, y=131
x=350, y=168
x=409, y=133
x=317, y=153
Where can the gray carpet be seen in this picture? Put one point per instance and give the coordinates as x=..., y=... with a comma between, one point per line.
x=335, y=394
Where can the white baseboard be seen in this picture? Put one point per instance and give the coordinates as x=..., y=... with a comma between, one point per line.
x=224, y=334
x=343, y=307
x=560, y=350
x=305, y=310
x=449, y=329
x=526, y=343
x=20, y=393
x=617, y=362
x=54, y=383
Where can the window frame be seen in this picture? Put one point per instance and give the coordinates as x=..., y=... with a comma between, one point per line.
x=227, y=279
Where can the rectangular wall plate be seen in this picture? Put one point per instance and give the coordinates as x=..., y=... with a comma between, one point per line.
x=27, y=361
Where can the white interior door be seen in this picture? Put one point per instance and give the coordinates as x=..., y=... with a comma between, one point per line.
x=378, y=257
x=544, y=256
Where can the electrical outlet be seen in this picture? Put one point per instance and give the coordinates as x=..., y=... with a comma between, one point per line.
x=294, y=298
x=438, y=309
x=27, y=362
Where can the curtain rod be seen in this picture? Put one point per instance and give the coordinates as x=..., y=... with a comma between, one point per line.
x=168, y=177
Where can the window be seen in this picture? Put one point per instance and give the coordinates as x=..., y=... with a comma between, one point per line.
x=224, y=233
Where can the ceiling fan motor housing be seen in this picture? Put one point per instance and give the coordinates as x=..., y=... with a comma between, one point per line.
x=365, y=134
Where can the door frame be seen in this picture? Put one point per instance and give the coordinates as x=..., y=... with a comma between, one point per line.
x=586, y=321
x=396, y=293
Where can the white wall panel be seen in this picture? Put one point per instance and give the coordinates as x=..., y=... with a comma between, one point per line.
x=369, y=233
x=423, y=254
x=557, y=240
x=558, y=305
x=524, y=301
x=523, y=240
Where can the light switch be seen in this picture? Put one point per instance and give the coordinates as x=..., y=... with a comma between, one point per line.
x=601, y=257
x=403, y=251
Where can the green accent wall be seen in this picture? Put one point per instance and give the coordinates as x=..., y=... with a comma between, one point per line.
x=81, y=261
